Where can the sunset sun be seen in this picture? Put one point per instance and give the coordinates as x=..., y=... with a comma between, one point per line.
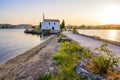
x=110, y=15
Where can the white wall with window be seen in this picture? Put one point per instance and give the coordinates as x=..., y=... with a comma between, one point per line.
x=51, y=25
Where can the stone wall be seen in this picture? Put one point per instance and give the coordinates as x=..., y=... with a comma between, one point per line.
x=30, y=53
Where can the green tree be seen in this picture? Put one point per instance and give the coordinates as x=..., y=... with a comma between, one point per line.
x=75, y=29
x=40, y=25
x=62, y=26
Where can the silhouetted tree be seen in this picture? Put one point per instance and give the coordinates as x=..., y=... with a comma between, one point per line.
x=62, y=26
x=40, y=25
x=34, y=27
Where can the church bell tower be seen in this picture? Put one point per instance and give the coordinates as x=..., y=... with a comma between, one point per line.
x=43, y=17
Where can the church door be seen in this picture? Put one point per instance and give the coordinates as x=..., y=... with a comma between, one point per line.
x=52, y=28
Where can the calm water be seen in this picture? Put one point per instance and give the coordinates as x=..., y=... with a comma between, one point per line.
x=14, y=42
x=113, y=35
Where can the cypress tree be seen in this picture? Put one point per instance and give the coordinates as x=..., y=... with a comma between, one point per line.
x=40, y=25
x=62, y=26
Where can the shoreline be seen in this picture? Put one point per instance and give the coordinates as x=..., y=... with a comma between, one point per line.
x=34, y=50
x=32, y=62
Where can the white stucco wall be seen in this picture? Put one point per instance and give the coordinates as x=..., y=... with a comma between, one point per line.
x=46, y=25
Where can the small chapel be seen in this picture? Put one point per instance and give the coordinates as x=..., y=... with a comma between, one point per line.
x=50, y=24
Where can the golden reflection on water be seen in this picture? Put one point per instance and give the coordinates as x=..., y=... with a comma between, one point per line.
x=112, y=34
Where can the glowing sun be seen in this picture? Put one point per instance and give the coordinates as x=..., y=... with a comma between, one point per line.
x=110, y=15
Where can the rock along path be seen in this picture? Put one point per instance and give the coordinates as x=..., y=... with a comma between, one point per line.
x=89, y=43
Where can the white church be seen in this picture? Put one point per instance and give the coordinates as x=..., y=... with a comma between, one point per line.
x=50, y=24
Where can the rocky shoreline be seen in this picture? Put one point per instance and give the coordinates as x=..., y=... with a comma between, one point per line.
x=29, y=65
x=28, y=31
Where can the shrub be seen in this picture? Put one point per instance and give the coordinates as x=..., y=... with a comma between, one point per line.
x=60, y=57
x=87, y=54
x=101, y=64
x=104, y=63
x=46, y=76
x=69, y=30
x=46, y=30
x=71, y=47
x=61, y=36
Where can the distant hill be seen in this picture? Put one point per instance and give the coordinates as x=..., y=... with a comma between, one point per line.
x=109, y=26
x=9, y=26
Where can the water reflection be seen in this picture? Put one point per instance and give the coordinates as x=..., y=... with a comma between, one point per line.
x=112, y=34
x=44, y=36
x=105, y=34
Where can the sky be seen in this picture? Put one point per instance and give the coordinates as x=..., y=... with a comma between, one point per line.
x=74, y=12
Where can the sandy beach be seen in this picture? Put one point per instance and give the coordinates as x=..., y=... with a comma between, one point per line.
x=30, y=64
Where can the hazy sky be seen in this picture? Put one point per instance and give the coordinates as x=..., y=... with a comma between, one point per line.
x=76, y=12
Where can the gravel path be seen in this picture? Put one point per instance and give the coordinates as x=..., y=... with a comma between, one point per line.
x=29, y=68
x=89, y=43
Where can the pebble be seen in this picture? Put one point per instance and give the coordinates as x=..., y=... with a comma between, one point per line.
x=51, y=68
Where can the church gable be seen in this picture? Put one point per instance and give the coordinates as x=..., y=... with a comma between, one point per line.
x=52, y=24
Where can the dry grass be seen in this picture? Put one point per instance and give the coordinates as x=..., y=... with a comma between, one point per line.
x=113, y=75
x=110, y=75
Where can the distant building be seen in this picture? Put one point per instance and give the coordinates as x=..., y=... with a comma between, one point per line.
x=50, y=24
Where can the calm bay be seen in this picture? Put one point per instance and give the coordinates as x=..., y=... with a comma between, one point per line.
x=13, y=42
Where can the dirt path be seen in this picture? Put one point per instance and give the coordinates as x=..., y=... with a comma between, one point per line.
x=29, y=65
